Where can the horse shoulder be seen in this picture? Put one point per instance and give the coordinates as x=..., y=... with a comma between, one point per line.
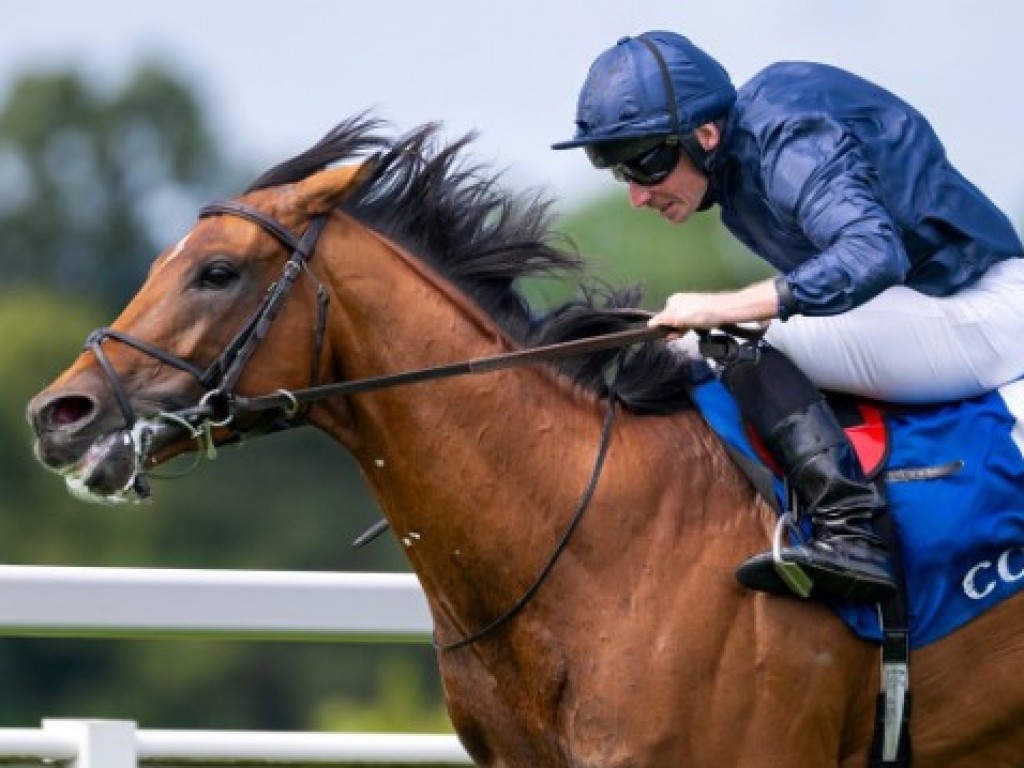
x=669, y=629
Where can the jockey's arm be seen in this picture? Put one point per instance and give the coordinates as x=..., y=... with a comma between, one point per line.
x=758, y=302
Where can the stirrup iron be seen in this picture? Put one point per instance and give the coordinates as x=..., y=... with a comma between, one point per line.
x=793, y=574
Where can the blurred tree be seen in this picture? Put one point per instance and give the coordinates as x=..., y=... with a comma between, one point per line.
x=400, y=705
x=93, y=184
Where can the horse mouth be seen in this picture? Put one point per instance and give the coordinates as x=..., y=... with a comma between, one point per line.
x=107, y=472
x=113, y=469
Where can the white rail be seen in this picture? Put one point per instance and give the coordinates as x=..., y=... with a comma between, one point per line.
x=252, y=605
x=118, y=744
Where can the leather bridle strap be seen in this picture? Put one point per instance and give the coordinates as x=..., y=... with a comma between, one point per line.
x=547, y=353
x=544, y=354
x=266, y=223
x=222, y=375
x=235, y=359
x=94, y=343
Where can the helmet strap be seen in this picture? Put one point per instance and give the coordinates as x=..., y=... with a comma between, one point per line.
x=666, y=79
x=701, y=158
x=688, y=143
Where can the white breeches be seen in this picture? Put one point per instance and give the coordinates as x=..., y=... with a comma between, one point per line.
x=906, y=347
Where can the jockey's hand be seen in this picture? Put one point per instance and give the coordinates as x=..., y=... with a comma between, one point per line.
x=701, y=311
x=688, y=311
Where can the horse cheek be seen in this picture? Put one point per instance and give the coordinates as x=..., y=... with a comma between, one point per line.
x=336, y=418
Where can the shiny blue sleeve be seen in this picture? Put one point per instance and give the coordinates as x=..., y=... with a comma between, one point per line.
x=818, y=180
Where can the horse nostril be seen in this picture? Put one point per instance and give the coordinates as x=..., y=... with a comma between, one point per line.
x=66, y=411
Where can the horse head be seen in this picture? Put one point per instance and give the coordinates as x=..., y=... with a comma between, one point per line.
x=239, y=307
x=208, y=305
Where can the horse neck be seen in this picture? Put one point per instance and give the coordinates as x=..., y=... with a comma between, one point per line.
x=479, y=475
x=464, y=468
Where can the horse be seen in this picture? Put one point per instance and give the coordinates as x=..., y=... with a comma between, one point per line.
x=635, y=646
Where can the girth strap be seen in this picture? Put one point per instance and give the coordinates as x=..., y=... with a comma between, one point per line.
x=891, y=746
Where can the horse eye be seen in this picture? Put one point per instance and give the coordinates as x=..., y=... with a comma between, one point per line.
x=217, y=275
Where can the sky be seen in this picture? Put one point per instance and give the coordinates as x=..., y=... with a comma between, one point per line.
x=276, y=75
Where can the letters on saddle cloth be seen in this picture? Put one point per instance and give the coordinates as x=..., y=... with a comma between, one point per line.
x=955, y=482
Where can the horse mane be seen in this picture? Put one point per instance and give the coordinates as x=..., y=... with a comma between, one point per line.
x=453, y=215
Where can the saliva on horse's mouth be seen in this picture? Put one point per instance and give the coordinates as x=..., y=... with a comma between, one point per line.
x=108, y=471
x=112, y=470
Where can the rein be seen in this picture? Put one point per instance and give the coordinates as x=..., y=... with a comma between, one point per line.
x=220, y=378
x=290, y=399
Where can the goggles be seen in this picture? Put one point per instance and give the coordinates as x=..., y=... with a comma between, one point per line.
x=643, y=161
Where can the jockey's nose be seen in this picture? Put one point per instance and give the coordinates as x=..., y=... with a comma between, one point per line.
x=639, y=195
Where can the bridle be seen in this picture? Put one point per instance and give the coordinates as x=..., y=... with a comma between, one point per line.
x=220, y=404
x=220, y=377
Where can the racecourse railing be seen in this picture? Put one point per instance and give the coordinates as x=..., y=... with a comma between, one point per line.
x=37, y=601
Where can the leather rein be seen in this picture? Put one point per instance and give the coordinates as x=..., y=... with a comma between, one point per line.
x=220, y=378
x=220, y=405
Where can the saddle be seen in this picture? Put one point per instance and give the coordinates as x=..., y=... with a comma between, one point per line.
x=864, y=424
x=954, y=477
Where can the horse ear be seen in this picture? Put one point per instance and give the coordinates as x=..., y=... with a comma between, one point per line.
x=322, y=191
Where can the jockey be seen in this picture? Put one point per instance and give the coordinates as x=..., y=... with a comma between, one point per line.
x=897, y=280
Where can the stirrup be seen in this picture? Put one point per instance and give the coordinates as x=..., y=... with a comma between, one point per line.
x=793, y=574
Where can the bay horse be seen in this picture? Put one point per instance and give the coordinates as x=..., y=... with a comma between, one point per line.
x=639, y=648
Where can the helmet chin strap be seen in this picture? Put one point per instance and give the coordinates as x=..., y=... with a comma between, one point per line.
x=702, y=160
x=699, y=156
x=688, y=142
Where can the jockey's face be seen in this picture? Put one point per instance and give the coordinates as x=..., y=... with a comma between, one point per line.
x=678, y=196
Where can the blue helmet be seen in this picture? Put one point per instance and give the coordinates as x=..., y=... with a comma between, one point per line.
x=657, y=84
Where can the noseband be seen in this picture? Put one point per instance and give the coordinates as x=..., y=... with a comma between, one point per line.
x=220, y=378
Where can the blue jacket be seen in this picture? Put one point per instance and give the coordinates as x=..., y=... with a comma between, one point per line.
x=847, y=191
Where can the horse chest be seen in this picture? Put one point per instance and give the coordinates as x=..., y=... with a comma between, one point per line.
x=517, y=712
x=504, y=702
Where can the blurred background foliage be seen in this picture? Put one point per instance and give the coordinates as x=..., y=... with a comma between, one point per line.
x=93, y=184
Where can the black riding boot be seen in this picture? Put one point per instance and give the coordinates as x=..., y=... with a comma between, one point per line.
x=844, y=558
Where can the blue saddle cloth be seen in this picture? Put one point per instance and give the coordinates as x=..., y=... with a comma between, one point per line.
x=962, y=535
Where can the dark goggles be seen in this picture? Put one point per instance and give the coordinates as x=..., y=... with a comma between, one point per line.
x=642, y=161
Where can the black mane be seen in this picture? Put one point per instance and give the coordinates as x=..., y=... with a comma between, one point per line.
x=455, y=217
